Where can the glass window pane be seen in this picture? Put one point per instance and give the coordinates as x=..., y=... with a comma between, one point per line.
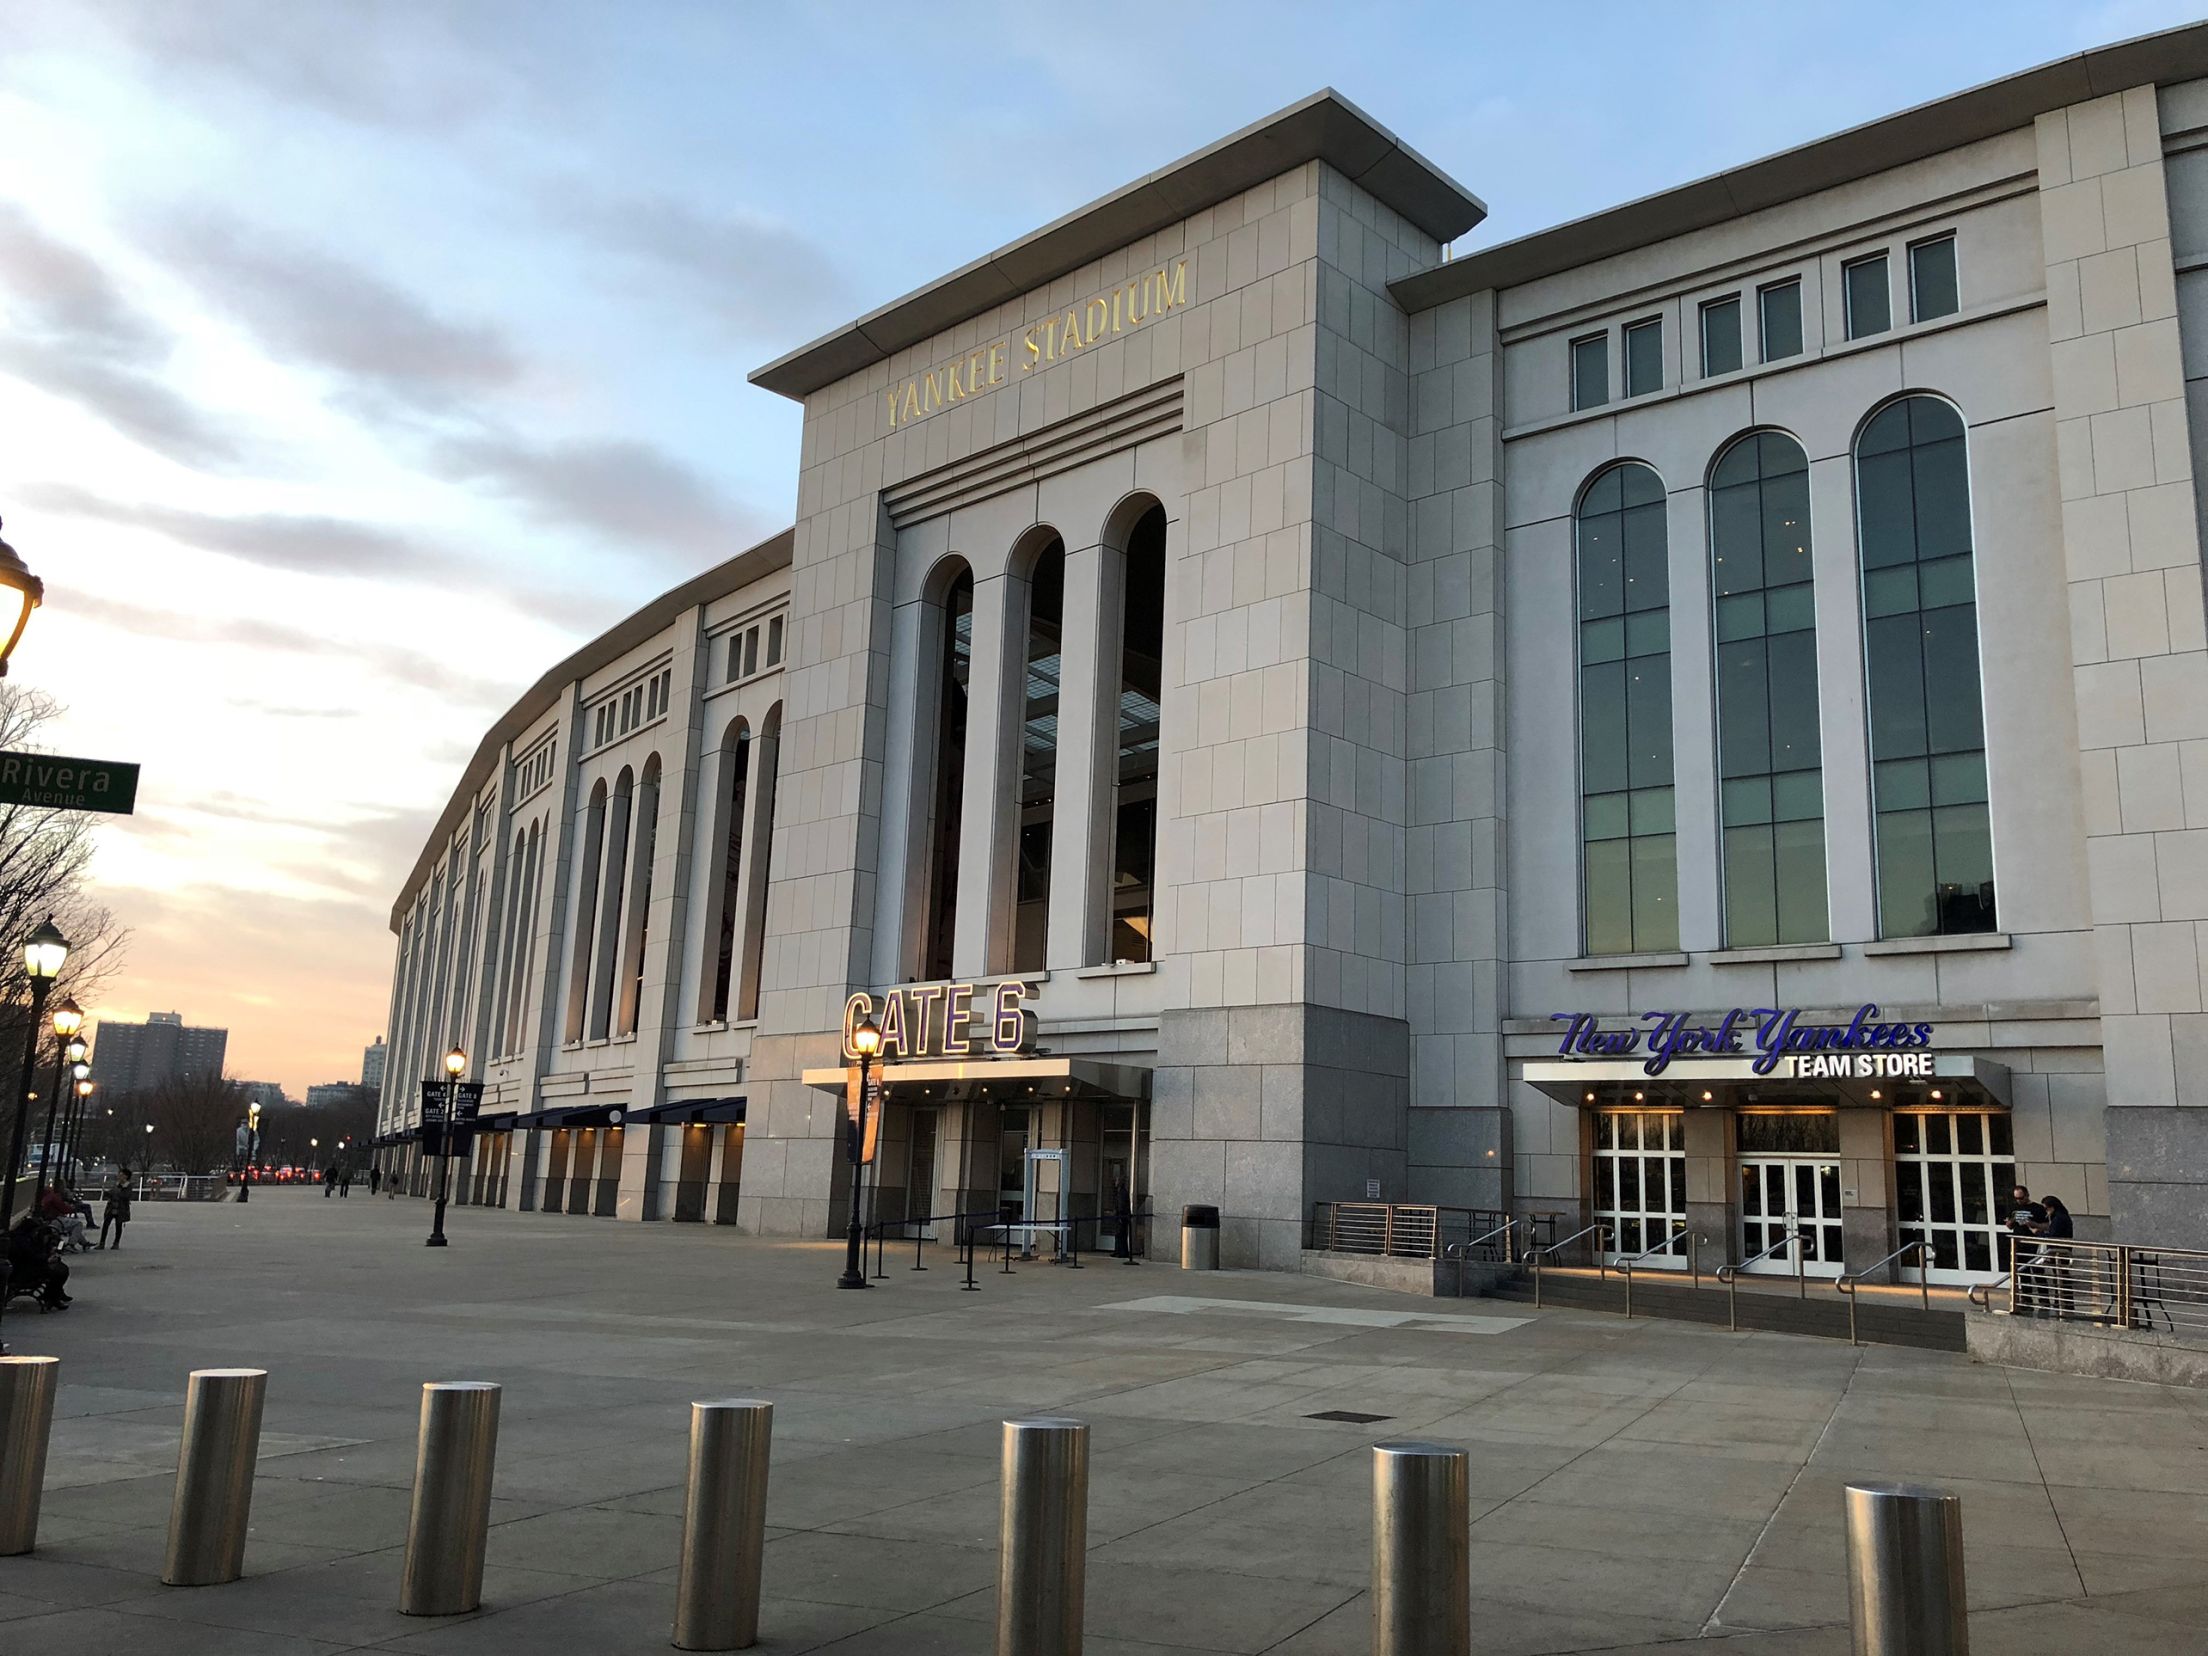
x=1885, y=511
x=1970, y=1135
x=1602, y=640
x=1945, y=581
x=1909, y=1190
x=1601, y=563
x=1720, y=337
x=1647, y=576
x=1591, y=371
x=1953, y=722
x=1959, y=779
x=1937, y=1141
x=1744, y=713
x=1605, y=816
x=1997, y=1132
x=1648, y=721
x=1890, y=591
x=1793, y=687
x=1781, y=304
x=1678, y=1166
x=1791, y=608
x=1644, y=358
x=1655, y=894
x=1977, y=1252
x=1751, y=896
x=1651, y=810
x=1740, y=616
x=1905, y=875
x=1901, y=785
x=1799, y=849
x=1932, y=284
x=1963, y=858
x=1905, y=1135
x=1797, y=796
x=1647, y=632
x=1602, y=736
x=1747, y=800
x=1870, y=308
x=1897, y=686
x=1736, y=556
x=1608, y=865
x=1940, y=478
x=1786, y=528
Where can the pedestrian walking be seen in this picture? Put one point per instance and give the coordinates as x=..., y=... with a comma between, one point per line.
x=329, y=1181
x=375, y=1178
x=117, y=1212
x=344, y=1180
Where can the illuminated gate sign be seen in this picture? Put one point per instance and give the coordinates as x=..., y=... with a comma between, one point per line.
x=1863, y=1049
x=946, y=1020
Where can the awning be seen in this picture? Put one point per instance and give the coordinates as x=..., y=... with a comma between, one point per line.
x=565, y=1115
x=1942, y=1080
x=710, y=1111
x=1004, y=1080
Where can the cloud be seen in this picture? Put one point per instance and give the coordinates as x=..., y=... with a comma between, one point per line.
x=627, y=491
x=305, y=307
x=756, y=277
x=72, y=333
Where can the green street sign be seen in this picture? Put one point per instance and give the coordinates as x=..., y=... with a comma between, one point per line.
x=68, y=784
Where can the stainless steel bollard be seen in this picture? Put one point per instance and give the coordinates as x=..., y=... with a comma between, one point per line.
x=214, y=1477
x=724, y=1525
x=1905, y=1571
x=451, y=1518
x=1042, y=1537
x=1421, y=1550
x=27, y=1387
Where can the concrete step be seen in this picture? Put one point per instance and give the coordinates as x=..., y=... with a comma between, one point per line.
x=1823, y=1314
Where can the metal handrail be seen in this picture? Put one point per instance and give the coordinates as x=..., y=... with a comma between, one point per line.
x=1625, y=1266
x=1849, y=1283
x=1981, y=1293
x=1730, y=1274
x=1461, y=1251
x=1598, y=1228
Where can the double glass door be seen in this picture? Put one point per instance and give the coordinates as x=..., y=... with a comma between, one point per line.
x=1780, y=1193
x=1640, y=1170
x=1952, y=1173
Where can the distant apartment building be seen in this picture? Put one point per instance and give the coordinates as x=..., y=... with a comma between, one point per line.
x=269, y=1094
x=330, y=1094
x=371, y=1067
x=137, y=1057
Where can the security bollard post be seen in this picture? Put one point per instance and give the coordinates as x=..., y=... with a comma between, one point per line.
x=969, y=1286
x=451, y=1518
x=1905, y=1571
x=1043, y=1537
x=27, y=1387
x=214, y=1477
x=1421, y=1550
x=724, y=1525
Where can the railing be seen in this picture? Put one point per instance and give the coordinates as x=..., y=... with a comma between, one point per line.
x=1848, y=1284
x=1730, y=1274
x=1981, y=1293
x=1462, y=1251
x=1694, y=1259
x=2112, y=1284
x=1397, y=1230
x=1597, y=1230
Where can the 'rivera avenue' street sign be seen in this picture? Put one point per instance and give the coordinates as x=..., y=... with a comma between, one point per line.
x=68, y=784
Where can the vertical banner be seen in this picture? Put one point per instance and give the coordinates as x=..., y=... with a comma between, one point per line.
x=873, y=1117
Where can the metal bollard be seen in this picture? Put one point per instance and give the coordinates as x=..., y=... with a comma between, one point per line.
x=451, y=1517
x=27, y=1387
x=1421, y=1550
x=724, y=1525
x=1905, y=1571
x=1042, y=1537
x=214, y=1477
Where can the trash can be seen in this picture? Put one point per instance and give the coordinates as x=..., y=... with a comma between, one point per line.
x=1199, y=1238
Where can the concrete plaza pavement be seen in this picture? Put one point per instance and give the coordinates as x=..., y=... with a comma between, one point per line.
x=1637, y=1487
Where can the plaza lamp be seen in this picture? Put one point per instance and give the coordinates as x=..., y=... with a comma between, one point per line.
x=20, y=593
x=456, y=1065
x=65, y=1141
x=77, y=1109
x=68, y=1019
x=866, y=1041
x=44, y=953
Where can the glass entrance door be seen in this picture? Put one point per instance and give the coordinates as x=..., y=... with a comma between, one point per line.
x=920, y=1174
x=1777, y=1193
x=1952, y=1173
x=1640, y=1179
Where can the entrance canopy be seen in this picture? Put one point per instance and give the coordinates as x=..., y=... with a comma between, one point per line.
x=1001, y=1080
x=1945, y=1080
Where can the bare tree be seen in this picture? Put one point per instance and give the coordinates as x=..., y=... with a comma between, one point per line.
x=45, y=862
x=195, y=1122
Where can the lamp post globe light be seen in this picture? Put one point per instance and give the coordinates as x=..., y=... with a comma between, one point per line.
x=866, y=1041
x=20, y=593
x=456, y=1065
x=252, y=1149
x=67, y=1019
x=44, y=954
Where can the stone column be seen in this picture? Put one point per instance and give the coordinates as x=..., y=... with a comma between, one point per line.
x=1088, y=749
x=1867, y=1189
x=2131, y=541
x=1713, y=1202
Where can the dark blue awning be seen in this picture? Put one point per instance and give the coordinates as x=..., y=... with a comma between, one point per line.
x=710, y=1111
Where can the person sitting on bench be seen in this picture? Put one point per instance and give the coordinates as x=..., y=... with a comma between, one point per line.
x=34, y=1262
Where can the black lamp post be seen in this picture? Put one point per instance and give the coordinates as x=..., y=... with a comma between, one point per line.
x=68, y=1019
x=57, y=1153
x=252, y=1150
x=456, y=1064
x=43, y=956
x=866, y=1041
x=20, y=593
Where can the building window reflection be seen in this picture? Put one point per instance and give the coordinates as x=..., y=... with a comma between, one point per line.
x=1628, y=862
x=583, y=917
x=1046, y=605
x=955, y=644
x=1135, y=790
x=1920, y=622
x=727, y=893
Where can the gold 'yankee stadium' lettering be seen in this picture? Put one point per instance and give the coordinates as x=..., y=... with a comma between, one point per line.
x=1142, y=299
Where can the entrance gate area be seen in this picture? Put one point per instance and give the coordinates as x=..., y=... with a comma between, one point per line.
x=1790, y=1176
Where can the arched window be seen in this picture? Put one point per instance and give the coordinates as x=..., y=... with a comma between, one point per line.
x=724, y=896
x=636, y=927
x=1135, y=776
x=605, y=955
x=1046, y=606
x=954, y=644
x=509, y=953
x=525, y=914
x=762, y=859
x=1771, y=797
x=1920, y=643
x=1629, y=870
x=583, y=917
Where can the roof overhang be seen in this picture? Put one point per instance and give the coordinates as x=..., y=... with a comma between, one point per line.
x=1323, y=127
x=1962, y=1080
x=1001, y=1080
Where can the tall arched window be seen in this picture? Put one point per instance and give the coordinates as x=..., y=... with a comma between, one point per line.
x=1629, y=870
x=1135, y=778
x=583, y=918
x=724, y=897
x=753, y=954
x=1046, y=606
x=1771, y=796
x=1920, y=625
x=955, y=647
x=527, y=869
x=636, y=925
x=605, y=955
x=509, y=956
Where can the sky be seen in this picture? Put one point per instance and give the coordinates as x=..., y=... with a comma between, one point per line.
x=359, y=361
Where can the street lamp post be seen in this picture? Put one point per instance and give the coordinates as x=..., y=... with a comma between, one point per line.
x=73, y=1100
x=866, y=1041
x=81, y=1103
x=68, y=1019
x=23, y=593
x=43, y=956
x=456, y=1064
x=252, y=1149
